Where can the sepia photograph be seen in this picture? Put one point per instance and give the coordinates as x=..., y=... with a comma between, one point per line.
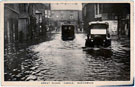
x=67, y=42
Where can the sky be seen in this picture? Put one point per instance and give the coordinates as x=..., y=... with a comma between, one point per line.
x=66, y=6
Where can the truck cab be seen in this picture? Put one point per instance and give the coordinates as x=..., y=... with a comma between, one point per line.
x=68, y=32
x=98, y=35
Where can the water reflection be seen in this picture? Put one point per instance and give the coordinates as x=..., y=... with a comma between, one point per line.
x=99, y=52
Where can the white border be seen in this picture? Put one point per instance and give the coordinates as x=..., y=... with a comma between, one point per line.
x=93, y=83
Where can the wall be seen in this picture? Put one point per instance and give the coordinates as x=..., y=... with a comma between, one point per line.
x=11, y=14
x=116, y=13
x=60, y=17
x=88, y=15
x=23, y=22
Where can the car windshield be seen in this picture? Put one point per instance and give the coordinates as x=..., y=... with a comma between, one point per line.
x=98, y=31
x=98, y=28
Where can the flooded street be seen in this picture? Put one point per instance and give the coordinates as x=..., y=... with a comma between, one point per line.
x=58, y=60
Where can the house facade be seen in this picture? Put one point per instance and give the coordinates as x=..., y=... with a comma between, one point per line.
x=66, y=13
x=60, y=17
x=24, y=21
x=11, y=17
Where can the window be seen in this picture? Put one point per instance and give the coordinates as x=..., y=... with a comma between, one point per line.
x=22, y=7
x=46, y=14
x=71, y=16
x=84, y=11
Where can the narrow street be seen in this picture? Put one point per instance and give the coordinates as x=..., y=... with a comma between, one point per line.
x=58, y=60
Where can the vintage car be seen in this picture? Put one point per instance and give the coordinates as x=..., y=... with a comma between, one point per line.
x=68, y=32
x=98, y=35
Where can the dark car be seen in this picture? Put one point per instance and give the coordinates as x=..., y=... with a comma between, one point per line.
x=98, y=35
x=68, y=32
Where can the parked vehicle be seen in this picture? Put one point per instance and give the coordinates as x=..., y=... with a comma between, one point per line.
x=68, y=32
x=98, y=34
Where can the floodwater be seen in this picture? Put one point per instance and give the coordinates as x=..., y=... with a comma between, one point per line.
x=58, y=60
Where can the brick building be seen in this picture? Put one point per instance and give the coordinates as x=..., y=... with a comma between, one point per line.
x=65, y=13
x=60, y=17
x=116, y=14
x=40, y=14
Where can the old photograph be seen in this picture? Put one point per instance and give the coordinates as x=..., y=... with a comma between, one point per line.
x=67, y=42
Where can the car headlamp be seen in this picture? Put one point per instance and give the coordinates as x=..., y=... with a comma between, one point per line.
x=91, y=40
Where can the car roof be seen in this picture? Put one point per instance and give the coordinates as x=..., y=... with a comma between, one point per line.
x=67, y=25
x=98, y=22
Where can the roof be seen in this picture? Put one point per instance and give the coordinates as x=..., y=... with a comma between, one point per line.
x=68, y=24
x=98, y=22
x=66, y=6
x=23, y=15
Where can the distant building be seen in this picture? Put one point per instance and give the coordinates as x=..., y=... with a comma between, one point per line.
x=66, y=6
x=66, y=17
x=66, y=13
